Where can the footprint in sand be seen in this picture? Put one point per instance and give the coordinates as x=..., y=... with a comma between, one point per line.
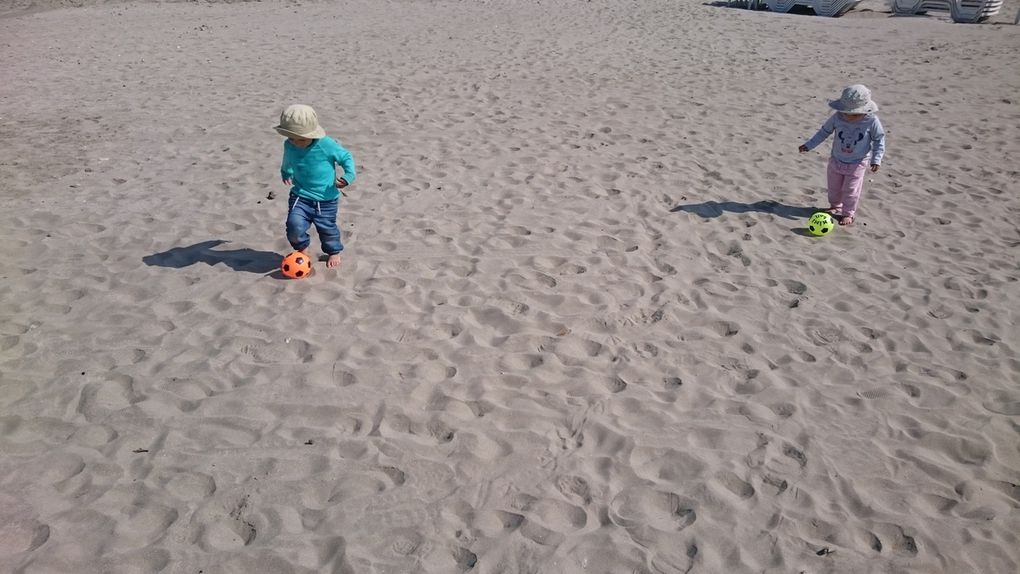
x=347, y=487
x=433, y=371
x=644, y=507
x=493, y=523
x=402, y=542
x=194, y=486
x=548, y=517
x=60, y=467
x=1003, y=403
x=574, y=487
x=142, y=525
x=573, y=350
x=342, y=378
x=228, y=535
x=100, y=399
x=520, y=362
x=734, y=485
x=667, y=464
x=724, y=328
x=485, y=447
x=94, y=435
x=20, y=530
x=226, y=524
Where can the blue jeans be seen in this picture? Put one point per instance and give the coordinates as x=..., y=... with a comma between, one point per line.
x=305, y=212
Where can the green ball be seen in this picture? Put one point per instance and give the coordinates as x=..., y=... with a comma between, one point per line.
x=820, y=223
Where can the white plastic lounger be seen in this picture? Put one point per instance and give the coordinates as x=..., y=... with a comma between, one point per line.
x=833, y=8
x=830, y=8
x=965, y=11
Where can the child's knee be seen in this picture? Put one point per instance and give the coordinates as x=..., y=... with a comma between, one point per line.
x=297, y=225
x=328, y=228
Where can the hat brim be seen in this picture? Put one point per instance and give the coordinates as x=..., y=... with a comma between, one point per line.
x=317, y=133
x=868, y=108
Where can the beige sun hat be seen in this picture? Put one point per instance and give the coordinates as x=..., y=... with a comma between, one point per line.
x=300, y=121
x=856, y=99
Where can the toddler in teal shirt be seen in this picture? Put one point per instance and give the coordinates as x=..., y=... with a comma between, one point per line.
x=309, y=165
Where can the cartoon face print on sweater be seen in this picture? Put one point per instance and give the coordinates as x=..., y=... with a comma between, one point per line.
x=849, y=138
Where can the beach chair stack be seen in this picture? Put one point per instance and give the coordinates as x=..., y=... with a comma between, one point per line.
x=834, y=8
x=829, y=8
x=965, y=11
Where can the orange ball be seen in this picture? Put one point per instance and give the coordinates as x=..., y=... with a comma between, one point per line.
x=297, y=265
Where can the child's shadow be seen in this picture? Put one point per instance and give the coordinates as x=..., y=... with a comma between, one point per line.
x=244, y=259
x=711, y=209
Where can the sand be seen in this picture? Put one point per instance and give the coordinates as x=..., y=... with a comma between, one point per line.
x=578, y=326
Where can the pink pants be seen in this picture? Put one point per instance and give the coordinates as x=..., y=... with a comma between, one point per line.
x=845, y=183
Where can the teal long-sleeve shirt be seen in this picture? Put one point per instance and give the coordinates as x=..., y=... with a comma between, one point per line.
x=312, y=170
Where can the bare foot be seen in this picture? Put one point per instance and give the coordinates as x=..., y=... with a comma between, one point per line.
x=333, y=261
x=847, y=220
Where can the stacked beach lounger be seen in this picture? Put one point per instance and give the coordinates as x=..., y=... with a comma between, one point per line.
x=821, y=7
x=961, y=10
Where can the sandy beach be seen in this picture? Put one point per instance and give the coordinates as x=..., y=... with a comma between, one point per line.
x=578, y=327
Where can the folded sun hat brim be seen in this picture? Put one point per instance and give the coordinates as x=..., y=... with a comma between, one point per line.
x=867, y=108
x=315, y=134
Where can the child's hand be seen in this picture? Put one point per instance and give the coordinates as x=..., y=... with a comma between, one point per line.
x=874, y=167
x=802, y=149
x=341, y=183
x=288, y=181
